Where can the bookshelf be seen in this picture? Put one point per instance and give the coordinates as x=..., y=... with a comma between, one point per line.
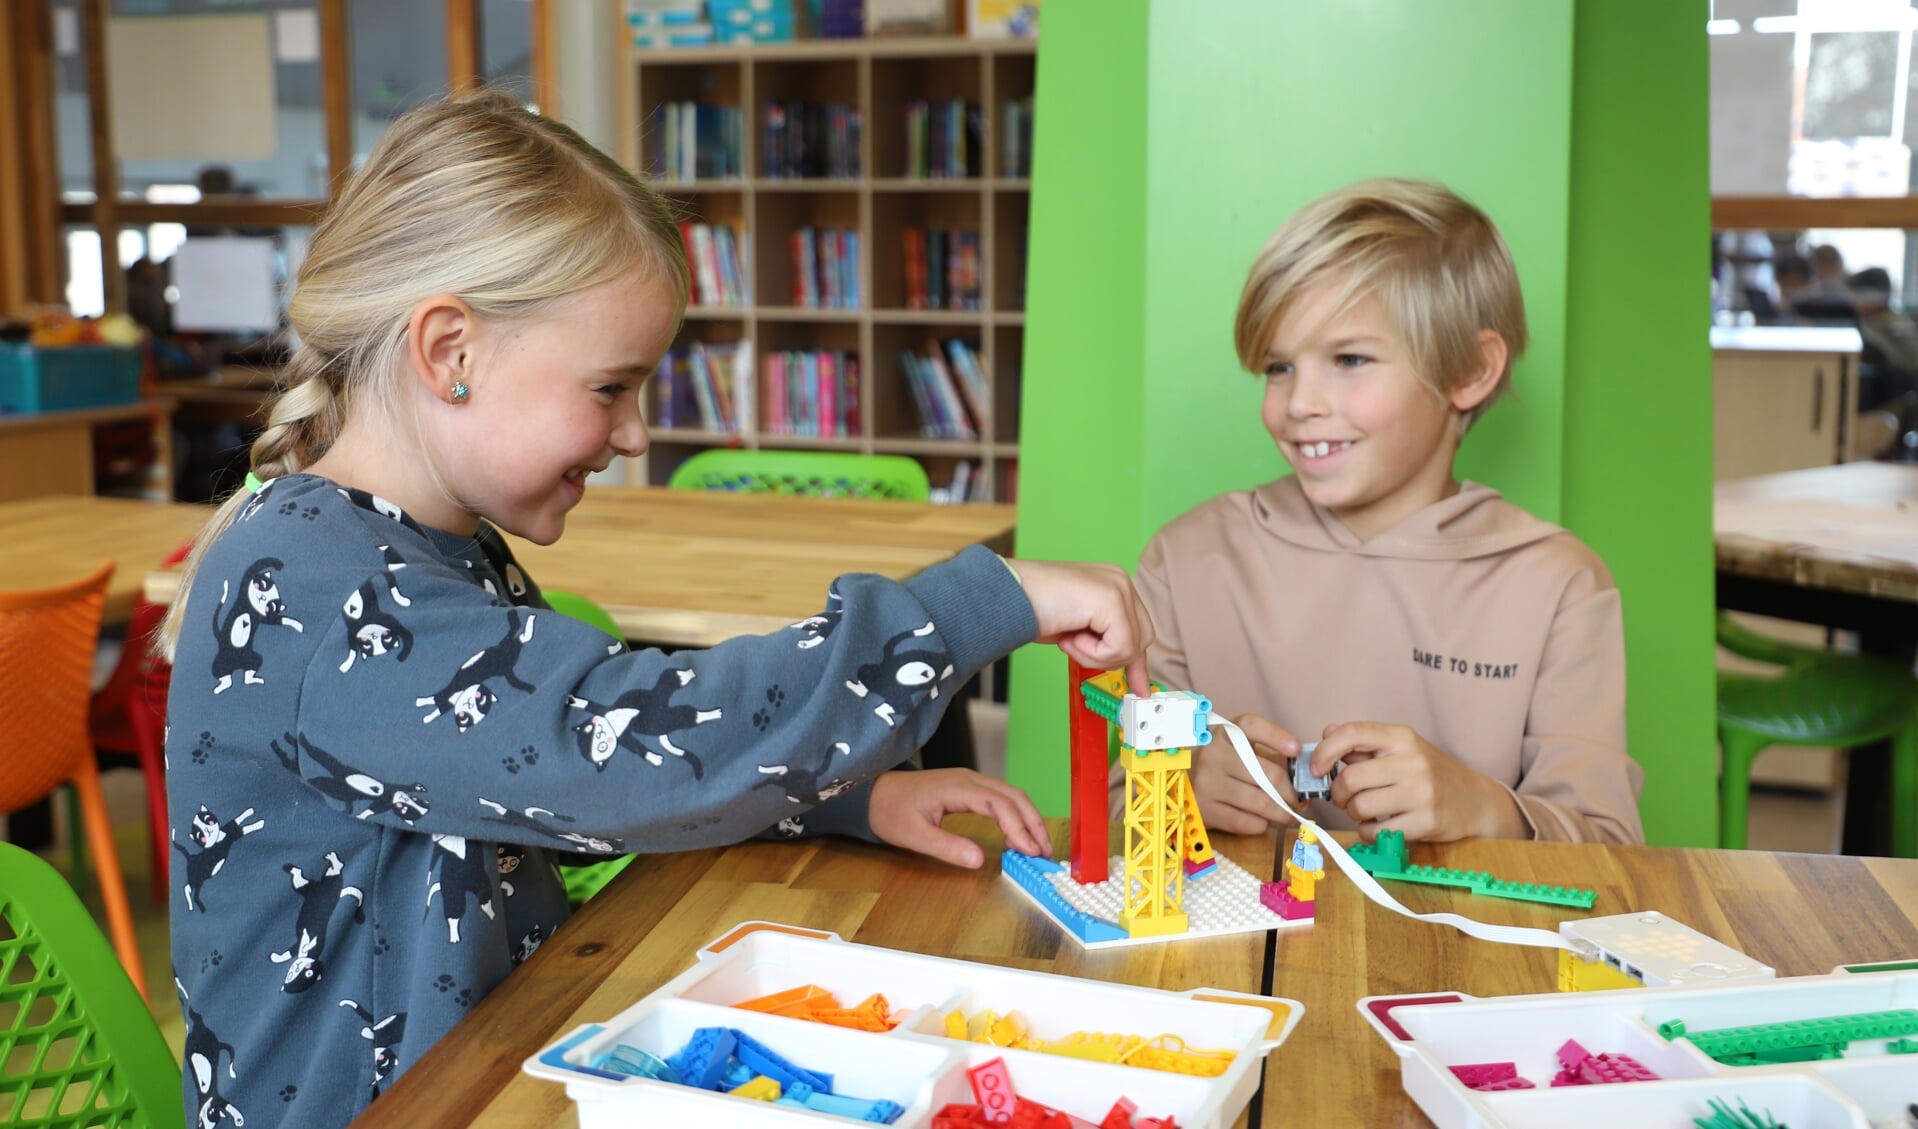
x=880, y=78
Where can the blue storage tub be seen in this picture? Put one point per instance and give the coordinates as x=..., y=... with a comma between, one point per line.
x=57, y=380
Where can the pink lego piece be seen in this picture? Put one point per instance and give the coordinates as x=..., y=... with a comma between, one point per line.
x=1200, y=869
x=1583, y=1068
x=1492, y=1076
x=992, y=1085
x=1275, y=897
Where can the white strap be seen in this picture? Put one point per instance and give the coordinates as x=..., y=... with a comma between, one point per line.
x=1505, y=934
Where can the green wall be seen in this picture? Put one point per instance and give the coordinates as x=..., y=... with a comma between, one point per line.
x=1167, y=152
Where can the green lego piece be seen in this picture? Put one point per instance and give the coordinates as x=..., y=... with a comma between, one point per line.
x=1819, y=1052
x=1724, y=1117
x=1548, y=895
x=1100, y=702
x=1729, y=1043
x=1671, y=1029
x=1902, y=1047
x=1384, y=858
x=1885, y=966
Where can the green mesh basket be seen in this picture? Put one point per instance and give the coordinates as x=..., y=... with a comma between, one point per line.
x=823, y=474
x=78, y=1047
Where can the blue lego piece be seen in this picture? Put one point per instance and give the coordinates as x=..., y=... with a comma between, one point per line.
x=736, y=1074
x=1307, y=856
x=761, y=1060
x=701, y=1063
x=840, y=1105
x=1031, y=873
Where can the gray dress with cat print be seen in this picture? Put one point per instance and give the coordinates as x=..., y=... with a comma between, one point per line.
x=381, y=741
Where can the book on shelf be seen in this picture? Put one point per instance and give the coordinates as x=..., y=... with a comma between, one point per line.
x=971, y=378
x=942, y=268
x=1002, y=19
x=715, y=252
x=812, y=140
x=1015, y=138
x=694, y=141
x=936, y=398
x=841, y=19
x=825, y=272
x=812, y=393
x=966, y=485
x=708, y=388
x=753, y=21
x=942, y=139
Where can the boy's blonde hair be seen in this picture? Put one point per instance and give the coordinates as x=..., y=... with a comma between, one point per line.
x=474, y=196
x=1435, y=262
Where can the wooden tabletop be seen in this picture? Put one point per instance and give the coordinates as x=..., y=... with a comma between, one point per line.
x=1803, y=914
x=55, y=539
x=1849, y=528
x=684, y=568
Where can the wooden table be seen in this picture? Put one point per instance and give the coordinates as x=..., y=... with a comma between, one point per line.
x=1803, y=914
x=1836, y=546
x=687, y=569
x=55, y=539
x=52, y=452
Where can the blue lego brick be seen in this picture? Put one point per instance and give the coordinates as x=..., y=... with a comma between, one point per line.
x=701, y=1063
x=1030, y=873
x=1305, y=783
x=761, y=1060
x=840, y=1105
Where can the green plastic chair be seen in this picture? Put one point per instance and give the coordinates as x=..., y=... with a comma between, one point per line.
x=77, y=1045
x=582, y=882
x=582, y=609
x=825, y=474
x=1821, y=699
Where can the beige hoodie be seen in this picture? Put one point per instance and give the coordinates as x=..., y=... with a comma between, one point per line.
x=1495, y=635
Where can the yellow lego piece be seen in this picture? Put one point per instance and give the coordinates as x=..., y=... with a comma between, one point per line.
x=955, y=1025
x=1156, y=794
x=761, y=1088
x=1095, y=1046
x=1112, y=682
x=1578, y=975
x=1178, y=1062
x=1198, y=845
x=1302, y=884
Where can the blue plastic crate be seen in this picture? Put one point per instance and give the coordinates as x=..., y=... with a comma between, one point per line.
x=57, y=380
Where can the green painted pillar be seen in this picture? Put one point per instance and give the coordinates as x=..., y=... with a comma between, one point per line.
x=1170, y=144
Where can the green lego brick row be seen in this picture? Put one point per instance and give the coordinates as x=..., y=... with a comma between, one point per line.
x=1479, y=882
x=1100, y=702
x=1765, y=1037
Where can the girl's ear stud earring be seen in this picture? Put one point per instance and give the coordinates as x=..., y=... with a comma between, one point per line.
x=459, y=391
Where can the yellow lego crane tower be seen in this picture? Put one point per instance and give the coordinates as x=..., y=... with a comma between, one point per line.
x=1165, y=840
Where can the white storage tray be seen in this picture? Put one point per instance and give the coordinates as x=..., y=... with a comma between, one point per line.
x=1867, y=1089
x=914, y=1065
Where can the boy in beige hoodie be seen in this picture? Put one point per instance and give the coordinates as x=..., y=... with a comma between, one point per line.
x=1462, y=661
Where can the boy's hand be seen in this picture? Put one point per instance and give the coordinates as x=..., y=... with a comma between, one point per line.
x=906, y=808
x=1395, y=778
x=1092, y=612
x=1229, y=799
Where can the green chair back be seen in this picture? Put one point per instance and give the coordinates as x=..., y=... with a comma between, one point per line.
x=582, y=609
x=1821, y=699
x=825, y=474
x=77, y=1045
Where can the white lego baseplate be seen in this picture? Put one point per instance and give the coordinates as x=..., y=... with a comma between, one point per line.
x=1223, y=902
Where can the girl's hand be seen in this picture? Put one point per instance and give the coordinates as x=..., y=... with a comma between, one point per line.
x=906, y=808
x=1229, y=800
x=1092, y=612
x=1393, y=778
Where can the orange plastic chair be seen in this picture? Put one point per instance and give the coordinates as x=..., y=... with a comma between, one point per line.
x=47, y=640
x=129, y=717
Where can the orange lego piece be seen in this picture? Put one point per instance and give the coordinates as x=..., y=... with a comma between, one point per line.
x=871, y=1014
x=792, y=1001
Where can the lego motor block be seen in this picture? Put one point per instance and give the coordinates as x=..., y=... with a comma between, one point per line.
x=1174, y=719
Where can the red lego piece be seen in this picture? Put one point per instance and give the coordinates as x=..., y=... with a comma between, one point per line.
x=956, y=1116
x=1583, y=1068
x=1277, y=898
x=992, y=1085
x=1492, y=1076
x=1121, y=1115
x=1090, y=829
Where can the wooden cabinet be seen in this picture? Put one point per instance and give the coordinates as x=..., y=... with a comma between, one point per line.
x=1783, y=398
